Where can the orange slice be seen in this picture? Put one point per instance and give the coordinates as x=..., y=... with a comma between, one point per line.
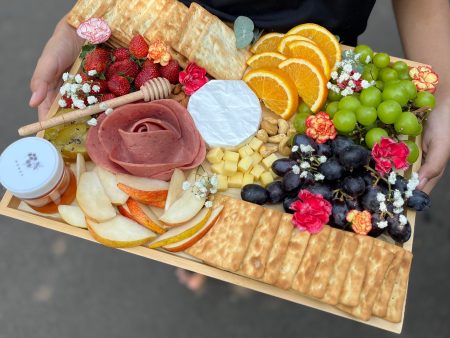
x=307, y=51
x=267, y=59
x=267, y=43
x=324, y=39
x=309, y=80
x=287, y=39
x=275, y=88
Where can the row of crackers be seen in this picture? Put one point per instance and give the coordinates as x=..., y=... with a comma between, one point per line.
x=359, y=275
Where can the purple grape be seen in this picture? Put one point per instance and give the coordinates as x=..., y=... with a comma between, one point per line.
x=354, y=157
x=400, y=233
x=419, y=201
x=254, y=193
x=332, y=170
x=276, y=192
x=287, y=203
x=338, y=214
x=353, y=186
x=282, y=166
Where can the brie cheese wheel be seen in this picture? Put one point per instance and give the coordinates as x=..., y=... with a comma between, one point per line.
x=226, y=113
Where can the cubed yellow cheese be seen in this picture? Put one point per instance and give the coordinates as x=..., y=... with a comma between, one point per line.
x=257, y=157
x=245, y=151
x=231, y=156
x=229, y=168
x=245, y=164
x=267, y=162
x=217, y=168
x=222, y=182
x=215, y=155
x=266, y=178
x=257, y=171
x=255, y=144
x=248, y=179
x=235, y=181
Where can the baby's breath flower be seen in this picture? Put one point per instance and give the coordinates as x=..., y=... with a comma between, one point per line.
x=392, y=177
x=296, y=169
x=311, y=158
x=398, y=203
x=383, y=207
x=397, y=194
x=208, y=204
x=92, y=99
x=334, y=75
x=186, y=185
x=108, y=111
x=92, y=72
x=381, y=197
x=398, y=210
x=322, y=159
x=382, y=224
x=74, y=87
x=356, y=76
x=402, y=219
x=306, y=149
x=368, y=58
x=62, y=103
x=347, y=68
x=305, y=165
x=365, y=84
x=304, y=174
x=329, y=85
x=408, y=193
x=78, y=78
x=96, y=88
x=78, y=103
x=92, y=122
x=86, y=88
x=319, y=177
x=213, y=180
x=295, y=148
x=103, y=106
x=65, y=76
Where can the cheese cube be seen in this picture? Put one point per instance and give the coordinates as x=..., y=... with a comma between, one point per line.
x=257, y=157
x=245, y=151
x=230, y=168
x=248, y=179
x=255, y=144
x=235, y=181
x=266, y=178
x=267, y=162
x=245, y=164
x=231, y=156
x=222, y=182
x=217, y=168
x=215, y=155
x=257, y=171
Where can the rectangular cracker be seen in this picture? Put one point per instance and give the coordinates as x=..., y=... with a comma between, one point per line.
x=311, y=258
x=85, y=9
x=396, y=302
x=327, y=261
x=258, y=251
x=340, y=270
x=294, y=254
x=355, y=277
x=279, y=248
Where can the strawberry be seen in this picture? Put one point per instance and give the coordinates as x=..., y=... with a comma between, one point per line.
x=102, y=84
x=97, y=60
x=147, y=73
x=171, y=71
x=138, y=47
x=121, y=54
x=106, y=97
x=127, y=68
x=148, y=62
x=118, y=85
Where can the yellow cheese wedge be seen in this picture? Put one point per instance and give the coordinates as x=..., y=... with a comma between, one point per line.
x=245, y=151
x=266, y=178
x=231, y=156
x=267, y=162
x=235, y=181
x=218, y=168
x=255, y=144
x=245, y=164
x=230, y=167
x=247, y=179
x=222, y=182
x=257, y=171
x=215, y=155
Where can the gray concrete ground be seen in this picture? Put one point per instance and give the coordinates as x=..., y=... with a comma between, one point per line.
x=53, y=285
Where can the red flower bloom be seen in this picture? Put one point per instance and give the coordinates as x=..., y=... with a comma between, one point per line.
x=320, y=127
x=192, y=78
x=389, y=153
x=312, y=212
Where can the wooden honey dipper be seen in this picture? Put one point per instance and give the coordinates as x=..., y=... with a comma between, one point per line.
x=155, y=89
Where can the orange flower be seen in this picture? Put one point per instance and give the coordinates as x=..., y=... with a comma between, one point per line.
x=320, y=127
x=361, y=221
x=158, y=52
x=424, y=78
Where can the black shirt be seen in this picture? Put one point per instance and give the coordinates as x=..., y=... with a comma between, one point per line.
x=345, y=18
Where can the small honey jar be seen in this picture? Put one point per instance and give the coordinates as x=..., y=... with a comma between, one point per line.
x=33, y=170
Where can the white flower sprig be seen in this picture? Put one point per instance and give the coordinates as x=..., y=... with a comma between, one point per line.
x=74, y=90
x=203, y=187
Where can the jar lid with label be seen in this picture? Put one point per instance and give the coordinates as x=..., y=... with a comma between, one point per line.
x=30, y=167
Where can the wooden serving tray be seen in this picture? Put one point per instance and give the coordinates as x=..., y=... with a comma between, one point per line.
x=12, y=207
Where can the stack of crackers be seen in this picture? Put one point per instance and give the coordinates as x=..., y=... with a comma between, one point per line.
x=193, y=33
x=359, y=275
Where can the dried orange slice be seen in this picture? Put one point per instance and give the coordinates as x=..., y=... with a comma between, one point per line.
x=309, y=80
x=275, y=88
x=307, y=51
x=267, y=43
x=287, y=39
x=324, y=39
x=267, y=59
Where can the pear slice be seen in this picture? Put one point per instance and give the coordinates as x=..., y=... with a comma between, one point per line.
x=73, y=215
x=124, y=211
x=175, y=187
x=109, y=183
x=184, y=231
x=144, y=217
x=120, y=232
x=80, y=166
x=142, y=183
x=92, y=199
x=183, y=209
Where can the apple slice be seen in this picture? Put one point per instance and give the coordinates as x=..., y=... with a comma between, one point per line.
x=109, y=182
x=80, y=166
x=184, y=231
x=183, y=209
x=120, y=232
x=142, y=183
x=156, y=198
x=92, y=199
x=195, y=237
x=124, y=211
x=175, y=187
x=73, y=215
x=140, y=216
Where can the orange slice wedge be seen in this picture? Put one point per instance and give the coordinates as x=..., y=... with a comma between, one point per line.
x=309, y=80
x=312, y=53
x=324, y=39
x=287, y=39
x=275, y=88
x=267, y=43
x=267, y=59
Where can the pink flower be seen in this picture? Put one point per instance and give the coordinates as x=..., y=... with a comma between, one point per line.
x=192, y=78
x=312, y=212
x=94, y=30
x=320, y=127
x=424, y=78
x=388, y=153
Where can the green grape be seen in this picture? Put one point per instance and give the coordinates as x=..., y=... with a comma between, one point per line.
x=410, y=88
x=404, y=76
x=344, y=121
x=379, y=84
x=370, y=72
x=396, y=92
x=425, y=99
x=333, y=96
x=303, y=108
x=407, y=124
x=299, y=122
x=400, y=67
x=364, y=51
x=332, y=108
x=388, y=111
x=381, y=60
x=418, y=131
x=413, y=151
x=370, y=97
x=374, y=136
x=349, y=103
x=388, y=74
x=366, y=115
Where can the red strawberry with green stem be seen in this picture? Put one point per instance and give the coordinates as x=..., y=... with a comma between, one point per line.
x=97, y=60
x=147, y=73
x=118, y=85
x=171, y=71
x=138, y=47
x=121, y=54
x=127, y=68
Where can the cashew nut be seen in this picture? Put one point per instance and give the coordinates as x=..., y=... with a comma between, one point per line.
x=271, y=128
x=270, y=119
x=276, y=138
x=291, y=131
x=262, y=135
x=283, y=147
x=268, y=149
x=283, y=126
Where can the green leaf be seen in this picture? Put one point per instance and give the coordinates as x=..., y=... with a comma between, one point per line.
x=243, y=30
x=86, y=49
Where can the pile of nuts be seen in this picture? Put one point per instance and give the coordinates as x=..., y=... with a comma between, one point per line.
x=275, y=133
